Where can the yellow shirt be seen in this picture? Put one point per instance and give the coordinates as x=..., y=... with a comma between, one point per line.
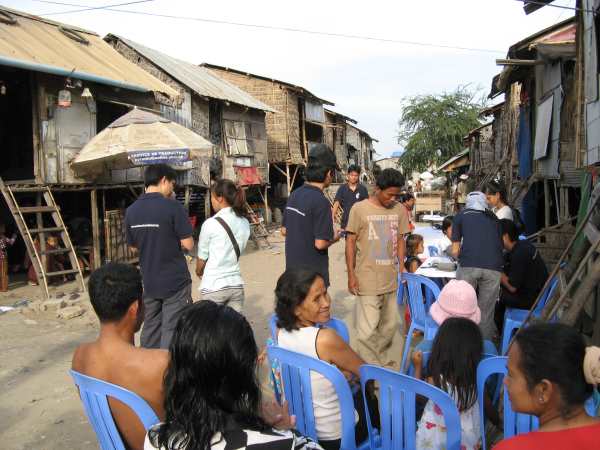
x=377, y=232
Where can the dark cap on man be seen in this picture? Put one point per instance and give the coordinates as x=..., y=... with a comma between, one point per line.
x=322, y=156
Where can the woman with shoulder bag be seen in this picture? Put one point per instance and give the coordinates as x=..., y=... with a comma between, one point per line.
x=223, y=237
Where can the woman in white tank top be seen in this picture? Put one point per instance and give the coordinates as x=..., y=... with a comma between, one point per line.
x=303, y=304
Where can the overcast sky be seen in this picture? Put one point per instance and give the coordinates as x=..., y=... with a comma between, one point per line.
x=365, y=79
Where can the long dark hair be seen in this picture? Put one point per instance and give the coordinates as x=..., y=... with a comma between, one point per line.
x=555, y=352
x=494, y=187
x=291, y=290
x=456, y=352
x=233, y=195
x=210, y=384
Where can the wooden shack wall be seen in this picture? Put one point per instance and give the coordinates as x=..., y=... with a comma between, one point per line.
x=335, y=138
x=283, y=126
x=256, y=119
x=61, y=132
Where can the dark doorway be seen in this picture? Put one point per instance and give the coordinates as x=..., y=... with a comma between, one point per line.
x=107, y=113
x=16, y=125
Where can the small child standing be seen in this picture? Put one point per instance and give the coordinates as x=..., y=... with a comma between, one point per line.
x=452, y=367
x=414, y=247
x=4, y=243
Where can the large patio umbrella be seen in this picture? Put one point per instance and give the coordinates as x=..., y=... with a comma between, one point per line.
x=140, y=138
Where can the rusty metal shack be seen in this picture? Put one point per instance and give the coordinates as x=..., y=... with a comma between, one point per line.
x=217, y=110
x=59, y=86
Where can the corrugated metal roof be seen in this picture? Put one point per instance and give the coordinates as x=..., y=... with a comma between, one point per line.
x=198, y=79
x=298, y=89
x=349, y=119
x=43, y=45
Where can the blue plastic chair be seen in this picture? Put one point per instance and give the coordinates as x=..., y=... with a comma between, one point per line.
x=419, y=308
x=514, y=423
x=433, y=250
x=397, y=394
x=337, y=324
x=94, y=393
x=592, y=405
x=295, y=373
x=514, y=318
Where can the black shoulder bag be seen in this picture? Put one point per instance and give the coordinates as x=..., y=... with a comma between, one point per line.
x=236, y=247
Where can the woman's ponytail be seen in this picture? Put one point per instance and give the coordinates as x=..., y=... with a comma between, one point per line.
x=234, y=195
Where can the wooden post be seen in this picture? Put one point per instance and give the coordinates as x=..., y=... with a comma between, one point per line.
x=303, y=121
x=186, y=200
x=41, y=236
x=546, y=204
x=207, y=204
x=266, y=201
x=95, y=228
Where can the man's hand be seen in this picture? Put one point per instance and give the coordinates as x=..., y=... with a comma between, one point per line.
x=352, y=284
x=277, y=415
x=337, y=235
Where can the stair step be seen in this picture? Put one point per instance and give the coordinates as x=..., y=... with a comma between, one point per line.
x=36, y=209
x=61, y=272
x=55, y=251
x=28, y=188
x=46, y=230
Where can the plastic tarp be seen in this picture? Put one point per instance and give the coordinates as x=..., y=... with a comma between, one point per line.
x=542, y=128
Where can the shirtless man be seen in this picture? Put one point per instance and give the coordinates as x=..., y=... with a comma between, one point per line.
x=115, y=292
x=116, y=295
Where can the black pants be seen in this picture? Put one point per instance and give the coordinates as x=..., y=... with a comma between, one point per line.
x=361, y=432
x=509, y=300
x=160, y=318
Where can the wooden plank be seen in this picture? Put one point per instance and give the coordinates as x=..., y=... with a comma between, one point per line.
x=97, y=262
x=42, y=236
x=56, y=251
x=186, y=199
x=62, y=272
x=28, y=188
x=38, y=209
x=45, y=230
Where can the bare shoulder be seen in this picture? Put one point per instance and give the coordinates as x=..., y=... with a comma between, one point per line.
x=328, y=337
x=77, y=363
x=153, y=360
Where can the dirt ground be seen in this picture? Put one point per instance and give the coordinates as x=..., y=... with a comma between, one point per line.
x=39, y=406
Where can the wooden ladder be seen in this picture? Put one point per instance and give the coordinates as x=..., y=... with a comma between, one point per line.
x=38, y=254
x=258, y=231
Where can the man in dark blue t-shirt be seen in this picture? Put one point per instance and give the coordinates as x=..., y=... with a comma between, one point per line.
x=158, y=227
x=348, y=194
x=477, y=243
x=307, y=221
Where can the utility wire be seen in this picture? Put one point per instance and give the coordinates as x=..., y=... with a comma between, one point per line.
x=278, y=28
x=85, y=8
x=571, y=8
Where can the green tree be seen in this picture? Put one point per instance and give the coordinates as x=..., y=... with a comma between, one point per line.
x=432, y=127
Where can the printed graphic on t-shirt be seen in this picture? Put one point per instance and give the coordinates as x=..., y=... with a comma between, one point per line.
x=383, y=237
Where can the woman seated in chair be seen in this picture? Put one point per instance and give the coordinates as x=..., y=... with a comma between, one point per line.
x=212, y=395
x=550, y=375
x=302, y=305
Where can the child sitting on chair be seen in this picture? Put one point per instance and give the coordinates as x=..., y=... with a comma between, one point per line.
x=414, y=247
x=452, y=367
